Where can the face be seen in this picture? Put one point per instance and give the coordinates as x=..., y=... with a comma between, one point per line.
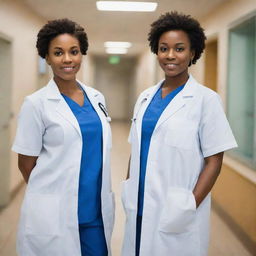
x=174, y=53
x=64, y=57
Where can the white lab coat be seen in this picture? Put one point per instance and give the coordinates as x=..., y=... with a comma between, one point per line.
x=193, y=126
x=48, y=129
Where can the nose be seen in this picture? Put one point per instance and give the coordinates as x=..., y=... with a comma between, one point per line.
x=171, y=54
x=67, y=58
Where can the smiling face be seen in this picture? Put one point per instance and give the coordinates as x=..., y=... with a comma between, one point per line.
x=64, y=57
x=174, y=54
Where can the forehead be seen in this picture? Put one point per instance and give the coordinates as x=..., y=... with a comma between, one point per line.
x=174, y=37
x=64, y=40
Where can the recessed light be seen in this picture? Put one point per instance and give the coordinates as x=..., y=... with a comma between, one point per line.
x=112, y=44
x=116, y=50
x=126, y=6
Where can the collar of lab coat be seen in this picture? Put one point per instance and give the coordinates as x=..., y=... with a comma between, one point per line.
x=62, y=107
x=179, y=101
x=53, y=92
x=175, y=105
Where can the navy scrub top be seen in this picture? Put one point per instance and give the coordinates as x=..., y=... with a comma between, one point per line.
x=89, y=193
x=150, y=118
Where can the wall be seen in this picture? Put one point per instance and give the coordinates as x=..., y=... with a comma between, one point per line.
x=146, y=72
x=21, y=31
x=116, y=82
x=234, y=192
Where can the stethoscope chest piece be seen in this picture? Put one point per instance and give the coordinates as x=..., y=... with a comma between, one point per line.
x=104, y=110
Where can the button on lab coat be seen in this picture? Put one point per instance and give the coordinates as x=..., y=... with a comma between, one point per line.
x=193, y=126
x=48, y=129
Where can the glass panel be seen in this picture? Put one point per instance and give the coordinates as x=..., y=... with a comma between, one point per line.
x=241, y=85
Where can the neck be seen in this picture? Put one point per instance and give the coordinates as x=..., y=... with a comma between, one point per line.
x=175, y=82
x=66, y=86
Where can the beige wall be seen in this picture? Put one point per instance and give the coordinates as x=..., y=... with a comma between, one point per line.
x=116, y=83
x=145, y=75
x=20, y=26
x=235, y=190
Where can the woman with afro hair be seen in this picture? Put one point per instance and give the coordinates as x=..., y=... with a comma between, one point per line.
x=63, y=143
x=178, y=135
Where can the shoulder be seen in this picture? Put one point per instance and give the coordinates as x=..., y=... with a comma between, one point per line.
x=35, y=99
x=94, y=92
x=204, y=92
x=149, y=90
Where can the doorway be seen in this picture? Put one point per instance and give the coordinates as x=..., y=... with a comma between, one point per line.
x=211, y=56
x=5, y=116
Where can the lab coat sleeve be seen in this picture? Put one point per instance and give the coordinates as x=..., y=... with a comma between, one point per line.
x=28, y=140
x=214, y=132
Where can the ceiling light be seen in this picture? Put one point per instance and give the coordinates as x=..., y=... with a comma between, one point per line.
x=116, y=50
x=110, y=44
x=126, y=6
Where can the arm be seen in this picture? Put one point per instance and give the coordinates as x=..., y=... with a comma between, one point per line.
x=128, y=170
x=207, y=177
x=26, y=165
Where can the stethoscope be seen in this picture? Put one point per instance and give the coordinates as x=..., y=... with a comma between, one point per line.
x=104, y=110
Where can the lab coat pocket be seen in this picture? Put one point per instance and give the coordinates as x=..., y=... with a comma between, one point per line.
x=181, y=134
x=42, y=214
x=179, y=212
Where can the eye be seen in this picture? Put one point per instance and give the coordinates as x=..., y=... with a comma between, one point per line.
x=179, y=49
x=58, y=53
x=162, y=49
x=75, y=51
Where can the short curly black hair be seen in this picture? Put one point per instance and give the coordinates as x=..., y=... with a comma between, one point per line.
x=57, y=27
x=178, y=21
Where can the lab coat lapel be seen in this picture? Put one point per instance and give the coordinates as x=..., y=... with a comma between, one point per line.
x=178, y=102
x=61, y=106
x=94, y=98
x=142, y=106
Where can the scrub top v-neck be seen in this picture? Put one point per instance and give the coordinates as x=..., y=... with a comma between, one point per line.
x=150, y=118
x=90, y=181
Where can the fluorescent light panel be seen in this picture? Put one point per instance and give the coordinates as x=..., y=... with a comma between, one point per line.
x=116, y=50
x=110, y=44
x=126, y=6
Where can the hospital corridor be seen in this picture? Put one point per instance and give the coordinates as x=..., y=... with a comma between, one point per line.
x=223, y=241
x=120, y=65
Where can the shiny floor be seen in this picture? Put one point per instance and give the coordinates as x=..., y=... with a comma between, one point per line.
x=223, y=241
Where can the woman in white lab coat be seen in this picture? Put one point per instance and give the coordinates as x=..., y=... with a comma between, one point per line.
x=178, y=135
x=63, y=141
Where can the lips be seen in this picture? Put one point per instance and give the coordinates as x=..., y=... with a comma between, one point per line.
x=171, y=65
x=68, y=69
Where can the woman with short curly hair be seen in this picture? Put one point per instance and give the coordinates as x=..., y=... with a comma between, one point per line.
x=178, y=135
x=63, y=143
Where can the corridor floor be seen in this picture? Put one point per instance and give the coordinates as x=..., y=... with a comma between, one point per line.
x=223, y=241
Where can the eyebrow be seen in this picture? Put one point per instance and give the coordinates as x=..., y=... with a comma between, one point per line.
x=59, y=48
x=175, y=44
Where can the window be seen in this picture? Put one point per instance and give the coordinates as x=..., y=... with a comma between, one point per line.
x=242, y=89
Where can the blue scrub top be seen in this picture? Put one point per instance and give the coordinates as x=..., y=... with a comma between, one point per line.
x=150, y=118
x=89, y=193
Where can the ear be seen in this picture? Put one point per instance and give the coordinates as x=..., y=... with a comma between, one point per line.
x=47, y=59
x=192, y=54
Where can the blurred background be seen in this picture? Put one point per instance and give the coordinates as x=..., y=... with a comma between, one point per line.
x=228, y=66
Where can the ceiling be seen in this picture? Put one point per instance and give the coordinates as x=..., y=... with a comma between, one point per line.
x=117, y=26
